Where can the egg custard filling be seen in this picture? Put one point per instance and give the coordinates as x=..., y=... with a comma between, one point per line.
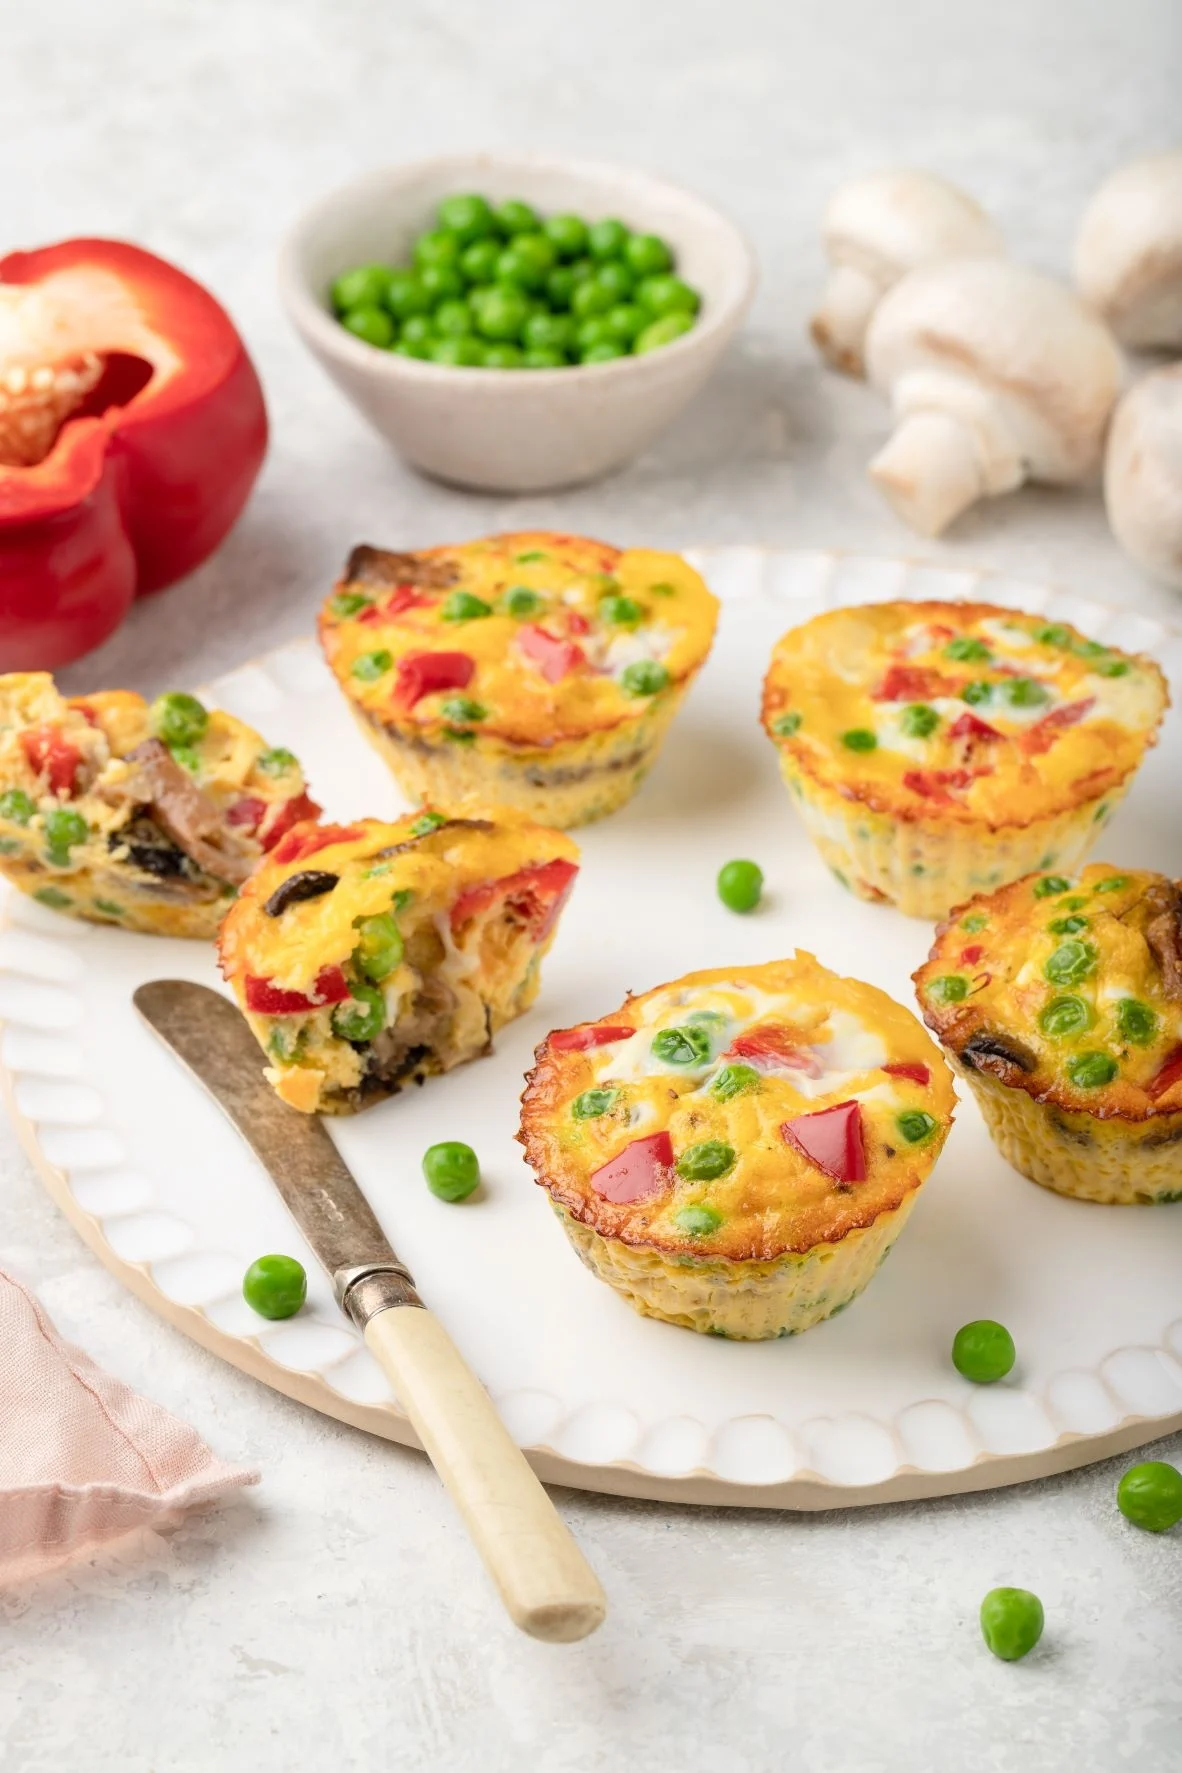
x=534, y=670
x=146, y=816
x=938, y=749
x=368, y=955
x=1059, y=999
x=736, y=1151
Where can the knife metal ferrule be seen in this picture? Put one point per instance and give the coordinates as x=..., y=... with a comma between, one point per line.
x=364, y=1291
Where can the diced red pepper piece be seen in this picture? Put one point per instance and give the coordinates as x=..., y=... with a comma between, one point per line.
x=285, y=814
x=248, y=811
x=772, y=1043
x=1169, y=1074
x=967, y=726
x=904, y=1068
x=934, y=785
x=401, y=599
x=305, y=840
x=913, y=683
x=578, y=624
x=86, y=711
x=421, y=674
x=50, y=754
x=265, y=999
x=535, y=896
x=1042, y=735
x=971, y=955
x=595, y=1034
x=832, y=1139
x=554, y=657
x=642, y=1169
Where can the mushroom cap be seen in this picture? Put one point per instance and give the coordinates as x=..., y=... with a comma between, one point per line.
x=1128, y=252
x=1143, y=474
x=1015, y=354
x=888, y=222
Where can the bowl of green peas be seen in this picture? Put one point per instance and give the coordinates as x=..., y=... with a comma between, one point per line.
x=514, y=323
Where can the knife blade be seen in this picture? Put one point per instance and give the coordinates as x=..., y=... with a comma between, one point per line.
x=544, y=1580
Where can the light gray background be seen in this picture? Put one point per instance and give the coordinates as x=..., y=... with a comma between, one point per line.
x=338, y=1618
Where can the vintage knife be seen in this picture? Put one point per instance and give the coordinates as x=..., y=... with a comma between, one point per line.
x=545, y=1582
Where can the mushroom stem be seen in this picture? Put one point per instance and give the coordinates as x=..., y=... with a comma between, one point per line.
x=839, y=325
x=930, y=471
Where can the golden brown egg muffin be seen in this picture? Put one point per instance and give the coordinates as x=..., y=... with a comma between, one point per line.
x=1059, y=1000
x=145, y=816
x=938, y=749
x=737, y=1151
x=533, y=671
x=368, y=955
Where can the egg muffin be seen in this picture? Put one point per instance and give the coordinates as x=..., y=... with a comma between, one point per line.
x=1059, y=1000
x=369, y=955
x=938, y=749
x=736, y=1151
x=532, y=671
x=149, y=817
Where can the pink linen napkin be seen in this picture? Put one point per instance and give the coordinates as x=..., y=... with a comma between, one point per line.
x=83, y=1458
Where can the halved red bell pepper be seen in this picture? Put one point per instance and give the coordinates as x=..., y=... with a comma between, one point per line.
x=266, y=999
x=596, y=1034
x=643, y=1168
x=421, y=674
x=534, y=895
x=832, y=1139
x=132, y=427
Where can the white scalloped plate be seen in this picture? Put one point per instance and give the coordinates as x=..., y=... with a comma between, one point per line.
x=865, y=1408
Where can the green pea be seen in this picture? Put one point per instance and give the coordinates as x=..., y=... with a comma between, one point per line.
x=624, y=322
x=591, y=298
x=593, y=332
x=707, y=1161
x=606, y=239
x=370, y=666
x=788, y=724
x=983, y=1351
x=1091, y=649
x=467, y=217
x=373, y=325
x=662, y=332
x=621, y=612
x=1024, y=692
x=108, y=908
x=502, y=357
x=177, y=718
x=415, y=348
x=740, y=885
x=366, y=286
x=453, y=319
x=977, y=692
x=967, y=649
x=275, y=1286
x=276, y=762
x=617, y=279
x=515, y=217
x=464, y=606
x=646, y=677
x=592, y=1103
x=522, y=269
x=438, y=246
x=1067, y=926
x=1057, y=634
x=1091, y=1071
x=1114, y=884
x=442, y=283
x=1072, y=961
x=733, y=1080
x=697, y=1221
x=1049, y=885
x=1136, y=1021
x=647, y=255
x=919, y=721
x=549, y=332
x=685, y=1046
x=948, y=988
x=363, y=1014
x=1150, y=1495
x=538, y=357
x=457, y=352
x=521, y=602
x=478, y=262
x=502, y=314
x=975, y=921
x=379, y=946
x=567, y=234
x=1011, y=1622
x=16, y=806
x=915, y=1125
x=667, y=295
x=462, y=710
x=561, y=285
x=64, y=828
x=406, y=295
x=427, y=822
x=1113, y=667
x=53, y=898
x=1065, y=1016
x=859, y=738
x=188, y=757
x=347, y=603
x=452, y=1170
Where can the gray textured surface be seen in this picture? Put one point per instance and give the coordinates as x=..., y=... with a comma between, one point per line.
x=337, y=1617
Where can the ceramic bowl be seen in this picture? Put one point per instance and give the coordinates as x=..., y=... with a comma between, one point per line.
x=513, y=430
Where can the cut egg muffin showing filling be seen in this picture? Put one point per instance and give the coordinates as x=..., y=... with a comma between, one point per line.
x=368, y=955
x=935, y=750
x=736, y=1151
x=533, y=671
x=1059, y=1000
x=145, y=815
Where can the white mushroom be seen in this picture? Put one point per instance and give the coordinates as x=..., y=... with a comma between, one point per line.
x=1143, y=474
x=1128, y=252
x=996, y=375
x=876, y=229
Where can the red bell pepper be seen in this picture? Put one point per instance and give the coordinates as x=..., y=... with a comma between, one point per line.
x=772, y=1043
x=302, y=842
x=1169, y=1074
x=285, y=814
x=50, y=754
x=934, y=785
x=1042, y=735
x=534, y=895
x=643, y=1168
x=421, y=674
x=832, y=1139
x=555, y=658
x=126, y=470
x=904, y=1068
x=266, y=999
x=913, y=683
x=595, y=1034
x=967, y=726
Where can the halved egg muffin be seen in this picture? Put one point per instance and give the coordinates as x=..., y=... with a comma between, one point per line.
x=1059, y=1000
x=147, y=816
x=938, y=749
x=369, y=955
x=533, y=671
x=736, y=1151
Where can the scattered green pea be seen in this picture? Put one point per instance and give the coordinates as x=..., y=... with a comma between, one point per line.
x=734, y=1080
x=64, y=829
x=974, y=922
x=57, y=901
x=977, y=692
x=966, y=649
x=16, y=806
x=915, y=1125
x=1113, y=884
x=859, y=738
x=277, y=761
x=1050, y=885
x=1150, y=1495
x=362, y=1016
x=1011, y=1622
x=697, y=1221
x=707, y=1161
x=379, y=946
x=370, y=666
x=464, y=606
x=592, y=1103
x=1136, y=1021
x=427, y=822
x=1065, y=1016
x=918, y=721
x=275, y=1286
x=1091, y=1071
x=983, y=1351
x=452, y=1170
x=1067, y=926
x=740, y=885
x=646, y=677
x=1071, y=961
x=348, y=603
x=621, y=612
x=1113, y=667
x=788, y=724
x=948, y=988
x=463, y=710
x=177, y=718
x=687, y=1045
x=521, y=602
x=1054, y=635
